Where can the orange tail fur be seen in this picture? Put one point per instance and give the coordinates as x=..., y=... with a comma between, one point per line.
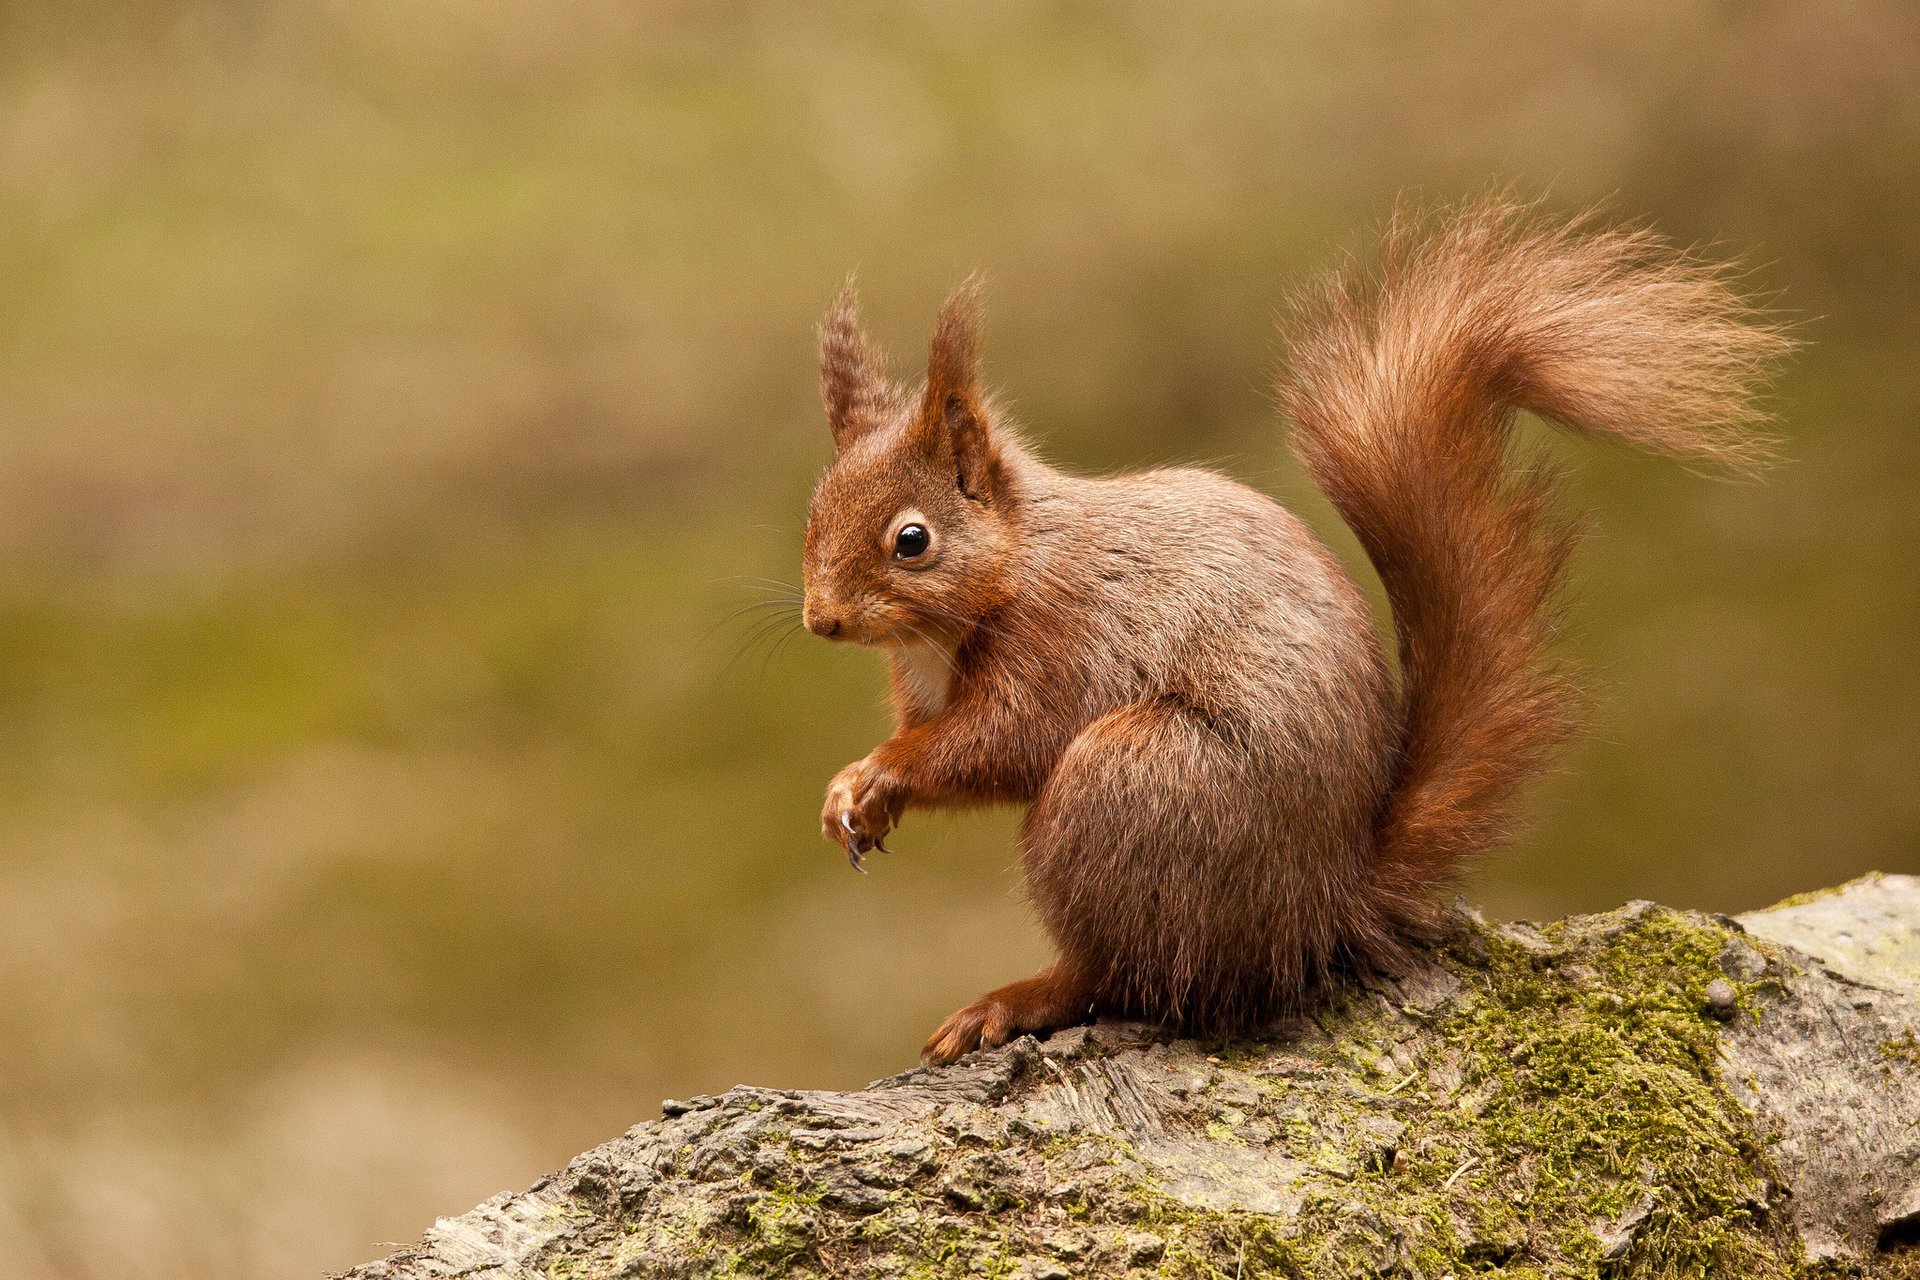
x=1404, y=383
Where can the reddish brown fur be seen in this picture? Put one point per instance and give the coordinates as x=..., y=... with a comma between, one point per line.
x=1228, y=798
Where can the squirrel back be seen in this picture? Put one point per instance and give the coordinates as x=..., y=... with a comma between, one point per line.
x=1404, y=384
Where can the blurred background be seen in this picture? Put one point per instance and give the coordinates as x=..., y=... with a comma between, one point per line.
x=394, y=399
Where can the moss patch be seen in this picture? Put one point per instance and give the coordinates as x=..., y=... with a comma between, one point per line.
x=1904, y=1047
x=1607, y=1127
x=1581, y=1130
x=1546, y=1105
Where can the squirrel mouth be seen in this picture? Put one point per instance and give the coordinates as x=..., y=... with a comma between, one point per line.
x=882, y=628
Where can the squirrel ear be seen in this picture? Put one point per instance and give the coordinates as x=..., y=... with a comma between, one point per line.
x=853, y=378
x=951, y=410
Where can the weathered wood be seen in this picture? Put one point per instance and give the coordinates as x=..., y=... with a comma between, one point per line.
x=1641, y=1092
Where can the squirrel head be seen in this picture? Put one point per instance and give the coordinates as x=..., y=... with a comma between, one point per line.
x=910, y=532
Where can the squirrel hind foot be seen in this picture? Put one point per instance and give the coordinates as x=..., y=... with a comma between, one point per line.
x=1049, y=1000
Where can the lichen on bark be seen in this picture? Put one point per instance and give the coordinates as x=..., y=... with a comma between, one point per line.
x=1643, y=1092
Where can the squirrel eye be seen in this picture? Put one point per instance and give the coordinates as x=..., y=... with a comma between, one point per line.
x=911, y=542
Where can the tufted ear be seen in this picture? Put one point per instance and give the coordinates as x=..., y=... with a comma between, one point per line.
x=853, y=376
x=952, y=412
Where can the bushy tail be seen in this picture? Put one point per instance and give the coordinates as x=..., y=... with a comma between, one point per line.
x=1404, y=382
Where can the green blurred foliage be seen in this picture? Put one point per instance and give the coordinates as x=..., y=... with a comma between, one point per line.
x=395, y=401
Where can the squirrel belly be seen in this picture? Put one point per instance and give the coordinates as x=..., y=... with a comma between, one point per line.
x=1230, y=797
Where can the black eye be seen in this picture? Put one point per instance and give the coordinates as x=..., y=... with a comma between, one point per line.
x=911, y=542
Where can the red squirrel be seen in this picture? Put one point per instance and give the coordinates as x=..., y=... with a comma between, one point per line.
x=1231, y=797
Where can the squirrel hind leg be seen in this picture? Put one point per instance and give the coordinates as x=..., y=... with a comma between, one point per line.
x=1193, y=869
x=1053, y=998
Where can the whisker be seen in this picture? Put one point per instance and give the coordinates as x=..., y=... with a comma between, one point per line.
x=761, y=606
x=762, y=617
x=761, y=628
x=774, y=652
x=764, y=609
x=763, y=581
x=951, y=616
x=771, y=621
x=775, y=630
x=773, y=602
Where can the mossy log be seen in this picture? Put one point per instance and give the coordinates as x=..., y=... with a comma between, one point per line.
x=1644, y=1092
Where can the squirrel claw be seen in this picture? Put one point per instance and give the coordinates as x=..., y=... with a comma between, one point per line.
x=859, y=844
x=856, y=845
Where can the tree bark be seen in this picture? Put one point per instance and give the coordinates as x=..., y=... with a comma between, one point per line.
x=1642, y=1092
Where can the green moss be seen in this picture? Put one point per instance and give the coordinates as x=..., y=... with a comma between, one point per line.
x=1904, y=1047
x=1568, y=1121
x=1587, y=1096
x=1816, y=895
x=1614, y=1076
x=781, y=1227
x=788, y=1225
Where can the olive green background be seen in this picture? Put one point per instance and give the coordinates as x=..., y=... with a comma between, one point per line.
x=394, y=397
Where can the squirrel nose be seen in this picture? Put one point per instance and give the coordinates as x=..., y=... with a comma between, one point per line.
x=822, y=624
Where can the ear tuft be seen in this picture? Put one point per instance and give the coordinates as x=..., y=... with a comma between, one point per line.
x=853, y=379
x=953, y=357
x=952, y=410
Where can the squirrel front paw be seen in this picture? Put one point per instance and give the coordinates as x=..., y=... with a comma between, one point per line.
x=864, y=800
